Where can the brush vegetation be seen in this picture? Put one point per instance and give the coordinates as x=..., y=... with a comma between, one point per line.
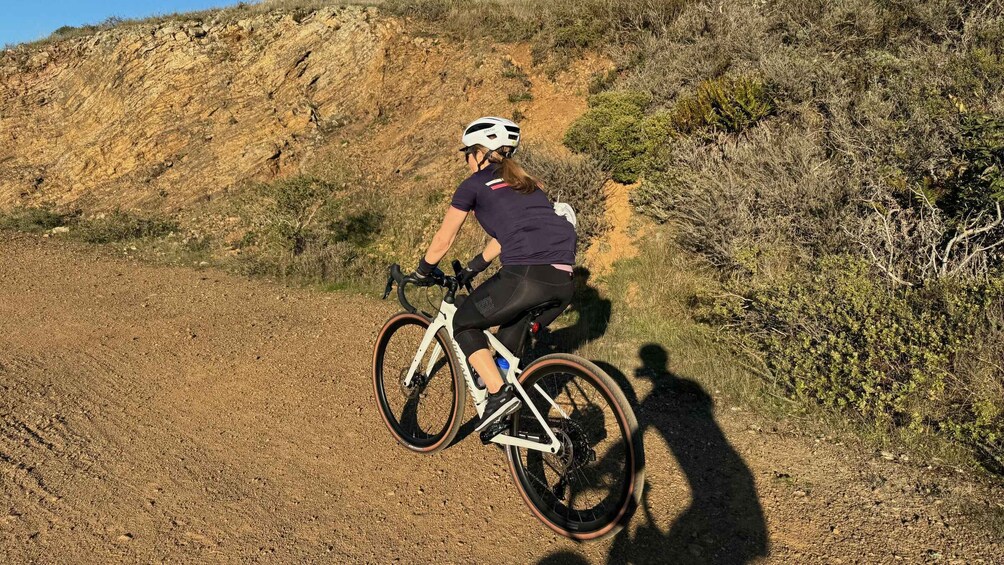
x=110, y=227
x=839, y=165
x=310, y=230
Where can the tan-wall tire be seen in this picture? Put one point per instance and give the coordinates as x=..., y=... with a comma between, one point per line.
x=395, y=322
x=629, y=423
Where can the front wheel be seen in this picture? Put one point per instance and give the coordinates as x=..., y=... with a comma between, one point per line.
x=426, y=415
x=591, y=487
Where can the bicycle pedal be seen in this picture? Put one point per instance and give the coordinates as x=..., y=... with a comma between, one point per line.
x=489, y=433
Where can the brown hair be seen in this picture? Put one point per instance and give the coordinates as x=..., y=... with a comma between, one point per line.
x=513, y=174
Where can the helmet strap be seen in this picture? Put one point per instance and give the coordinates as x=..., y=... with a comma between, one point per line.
x=485, y=159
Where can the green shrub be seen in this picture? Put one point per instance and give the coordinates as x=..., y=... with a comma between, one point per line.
x=839, y=336
x=579, y=33
x=630, y=141
x=109, y=227
x=118, y=226
x=35, y=219
x=616, y=131
x=726, y=104
x=523, y=96
x=602, y=80
x=306, y=229
x=977, y=182
x=285, y=216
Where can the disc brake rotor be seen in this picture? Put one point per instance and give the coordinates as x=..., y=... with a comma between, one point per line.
x=574, y=452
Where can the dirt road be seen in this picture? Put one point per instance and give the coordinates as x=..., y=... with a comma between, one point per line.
x=165, y=414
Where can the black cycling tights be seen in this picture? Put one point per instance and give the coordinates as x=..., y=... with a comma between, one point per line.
x=504, y=299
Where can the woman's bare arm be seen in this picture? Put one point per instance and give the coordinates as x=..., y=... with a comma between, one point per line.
x=447, y=234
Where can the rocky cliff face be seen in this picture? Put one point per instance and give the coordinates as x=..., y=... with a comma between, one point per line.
x=164, y=116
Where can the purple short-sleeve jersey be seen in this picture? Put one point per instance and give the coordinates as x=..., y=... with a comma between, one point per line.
x=525, y=225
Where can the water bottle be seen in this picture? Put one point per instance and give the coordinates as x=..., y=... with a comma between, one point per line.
x=503, y=366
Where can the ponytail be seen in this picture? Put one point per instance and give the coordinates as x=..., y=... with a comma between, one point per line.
x=513, y=174
x=517, y=178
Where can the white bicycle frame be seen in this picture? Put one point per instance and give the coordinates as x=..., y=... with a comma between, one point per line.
x=444, y=319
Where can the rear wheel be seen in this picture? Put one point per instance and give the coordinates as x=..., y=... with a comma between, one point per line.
x=426, y=415
x=591, y=487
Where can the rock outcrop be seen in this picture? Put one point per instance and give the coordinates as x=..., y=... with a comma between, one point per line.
x=162, y=116
x=180, y=110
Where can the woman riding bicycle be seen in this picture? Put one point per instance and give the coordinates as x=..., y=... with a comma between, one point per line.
x=537, y=248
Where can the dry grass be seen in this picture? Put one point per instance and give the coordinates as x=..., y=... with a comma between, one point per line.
x=647, y=301
x=557, y=29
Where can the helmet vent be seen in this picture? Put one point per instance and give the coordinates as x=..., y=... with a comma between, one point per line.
x=478, y=127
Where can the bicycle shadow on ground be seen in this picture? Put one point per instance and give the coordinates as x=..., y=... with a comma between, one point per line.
x=724, y=522
x=593, y=319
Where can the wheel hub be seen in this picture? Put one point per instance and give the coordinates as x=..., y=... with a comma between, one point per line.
x=562, y=460
x=418, y=382
x=574, y=451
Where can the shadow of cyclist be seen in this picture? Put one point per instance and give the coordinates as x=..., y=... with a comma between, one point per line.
x=724, y=522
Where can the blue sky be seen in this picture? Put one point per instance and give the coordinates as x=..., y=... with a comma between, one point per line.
x=27, y=20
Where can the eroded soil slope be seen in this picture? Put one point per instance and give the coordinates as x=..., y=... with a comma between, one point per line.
x=164, y=414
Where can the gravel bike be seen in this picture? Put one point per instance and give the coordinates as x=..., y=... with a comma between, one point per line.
x=574, y=447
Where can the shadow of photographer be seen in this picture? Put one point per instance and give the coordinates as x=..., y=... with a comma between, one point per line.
x=724, y=522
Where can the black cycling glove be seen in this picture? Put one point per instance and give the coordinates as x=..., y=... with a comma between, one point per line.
x=426, y=273
x=473, y=268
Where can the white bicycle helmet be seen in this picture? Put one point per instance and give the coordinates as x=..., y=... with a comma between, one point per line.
x=492, y=133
